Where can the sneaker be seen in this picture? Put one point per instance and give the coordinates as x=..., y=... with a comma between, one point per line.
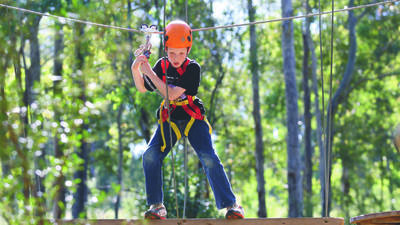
x=156, y=212
x=235, y=212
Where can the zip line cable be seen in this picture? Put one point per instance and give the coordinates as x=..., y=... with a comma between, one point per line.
x=61, y=18
x=295, y=17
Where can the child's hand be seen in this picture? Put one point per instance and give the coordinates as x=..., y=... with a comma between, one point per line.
x=138, y=61
x=145, y=66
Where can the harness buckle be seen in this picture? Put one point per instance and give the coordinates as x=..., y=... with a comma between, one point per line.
x=181, y=98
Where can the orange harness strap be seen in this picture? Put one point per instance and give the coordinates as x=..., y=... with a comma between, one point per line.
x=194, y=110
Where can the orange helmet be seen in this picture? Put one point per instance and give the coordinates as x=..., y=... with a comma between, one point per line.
x=178, y=34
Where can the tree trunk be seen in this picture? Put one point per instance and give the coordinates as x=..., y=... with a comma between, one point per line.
x=391, y=183
x=317, y=111
x=8, y=136
x=18, y=72
x=59, y=198
x=33, y=73
x=33, y=77
x=259, y=151
x=78, y=208
x=6, y=128
x=308, y=149
x=213, y=99
x=4, y=154
x=345, y=184
x=336, y=100
x=9, y=52
x=145, y=124
x=293, y=156
x=120, y=160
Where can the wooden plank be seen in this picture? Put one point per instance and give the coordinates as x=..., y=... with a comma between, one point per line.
x=391, y=217
x=387, y=220
x=267, y=221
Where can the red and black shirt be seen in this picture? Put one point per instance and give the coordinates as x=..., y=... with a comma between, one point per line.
x=189, y=80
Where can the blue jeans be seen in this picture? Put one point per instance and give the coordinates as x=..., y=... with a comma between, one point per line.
x=200, y=138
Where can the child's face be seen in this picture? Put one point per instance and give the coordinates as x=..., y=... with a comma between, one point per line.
x=177, y=56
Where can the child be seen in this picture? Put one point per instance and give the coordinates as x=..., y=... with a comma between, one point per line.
x=187, y=115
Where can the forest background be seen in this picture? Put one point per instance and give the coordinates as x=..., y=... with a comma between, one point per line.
x=73, y=126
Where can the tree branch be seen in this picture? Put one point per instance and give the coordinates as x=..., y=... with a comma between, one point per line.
x=364, y=12
x=396, y=73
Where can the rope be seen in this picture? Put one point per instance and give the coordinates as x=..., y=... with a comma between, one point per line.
x=169, y=123
x=61, y=18
x=186, y=14
x=151, y=86
x=323, y=96
x=185, y=165
x=329, y=120
x=185, y=160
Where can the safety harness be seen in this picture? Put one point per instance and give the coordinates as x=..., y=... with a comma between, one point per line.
x=187, y=104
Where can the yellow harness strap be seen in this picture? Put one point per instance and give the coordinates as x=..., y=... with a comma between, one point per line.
x=209, y=125
x=174, y=128
x=180, y=103
x=190, y=124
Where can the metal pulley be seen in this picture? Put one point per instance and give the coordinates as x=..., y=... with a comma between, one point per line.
x=145, y=49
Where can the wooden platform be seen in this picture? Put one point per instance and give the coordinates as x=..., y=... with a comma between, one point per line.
x=267, y=221
x=383, y=218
